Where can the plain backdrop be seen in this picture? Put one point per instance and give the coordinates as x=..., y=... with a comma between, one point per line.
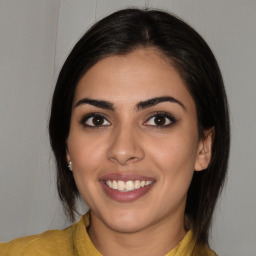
x=36, y=37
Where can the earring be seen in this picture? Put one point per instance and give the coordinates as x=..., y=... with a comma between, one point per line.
x=70, y=165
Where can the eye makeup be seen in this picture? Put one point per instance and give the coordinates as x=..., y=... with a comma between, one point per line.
x=94, y=120
x=160, y=120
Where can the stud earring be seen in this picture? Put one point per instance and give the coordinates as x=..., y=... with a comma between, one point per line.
x=70, y=165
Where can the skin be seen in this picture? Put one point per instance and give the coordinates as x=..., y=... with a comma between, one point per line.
x=129, y=141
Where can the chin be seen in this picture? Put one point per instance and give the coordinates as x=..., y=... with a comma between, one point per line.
x=129, y=227
x=127, y=223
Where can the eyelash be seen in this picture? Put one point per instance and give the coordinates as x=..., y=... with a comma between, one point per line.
x=166, y=115
x=92, y=115
x=171, y=119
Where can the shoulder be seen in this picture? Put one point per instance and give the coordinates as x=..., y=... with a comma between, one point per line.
x=52, y=242
x=200, y=250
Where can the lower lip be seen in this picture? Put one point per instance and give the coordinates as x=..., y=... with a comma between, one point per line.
x=128, y=196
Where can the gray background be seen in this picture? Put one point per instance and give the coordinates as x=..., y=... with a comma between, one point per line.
x=35, y=39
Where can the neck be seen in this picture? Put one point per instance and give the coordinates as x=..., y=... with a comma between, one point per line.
x=158, y=239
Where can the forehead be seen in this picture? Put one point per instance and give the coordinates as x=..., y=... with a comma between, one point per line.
x=137, y=76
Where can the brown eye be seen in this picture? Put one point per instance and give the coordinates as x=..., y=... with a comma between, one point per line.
x=96, y=121
x=160, y=120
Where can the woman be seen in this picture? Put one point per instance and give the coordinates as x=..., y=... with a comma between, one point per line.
x=140, y=130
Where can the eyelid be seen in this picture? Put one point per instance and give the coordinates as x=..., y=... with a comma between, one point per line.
x=91, y=115
x=164, y=114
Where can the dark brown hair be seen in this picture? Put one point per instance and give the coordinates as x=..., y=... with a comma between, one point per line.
x=119, y=34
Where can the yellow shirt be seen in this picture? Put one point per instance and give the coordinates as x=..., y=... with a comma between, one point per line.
x=75, y=241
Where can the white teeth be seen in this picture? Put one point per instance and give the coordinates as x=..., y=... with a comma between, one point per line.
x=137, y=184
x=109, y=183
x=128, y=185
x=121, y=185
x=114, y=185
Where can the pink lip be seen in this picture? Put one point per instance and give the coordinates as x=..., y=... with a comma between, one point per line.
x=129, y=195
x=124, y=177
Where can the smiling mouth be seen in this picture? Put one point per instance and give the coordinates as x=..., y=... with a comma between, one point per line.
x=127, y=186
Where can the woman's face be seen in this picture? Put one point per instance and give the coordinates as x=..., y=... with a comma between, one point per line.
x=133, y=141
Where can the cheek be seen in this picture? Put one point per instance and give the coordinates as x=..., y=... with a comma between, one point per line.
x=177, y=147
x=86, y=153
x=175, y=157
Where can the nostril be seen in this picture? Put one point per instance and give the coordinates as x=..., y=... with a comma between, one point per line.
x=123, y=159
x=133, y=158
x=124, y=148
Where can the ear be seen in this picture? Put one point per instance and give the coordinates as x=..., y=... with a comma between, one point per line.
x=67, y=153
x=67, y=156
x=69, y=163
x=204, y=152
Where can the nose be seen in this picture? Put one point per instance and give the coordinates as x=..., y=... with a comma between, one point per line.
x=125, y=146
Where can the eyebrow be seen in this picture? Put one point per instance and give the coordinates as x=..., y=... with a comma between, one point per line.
x=154, y=101
x=97, y=103
x=140, y=106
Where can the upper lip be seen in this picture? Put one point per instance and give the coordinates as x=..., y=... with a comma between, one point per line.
x=125, y=177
